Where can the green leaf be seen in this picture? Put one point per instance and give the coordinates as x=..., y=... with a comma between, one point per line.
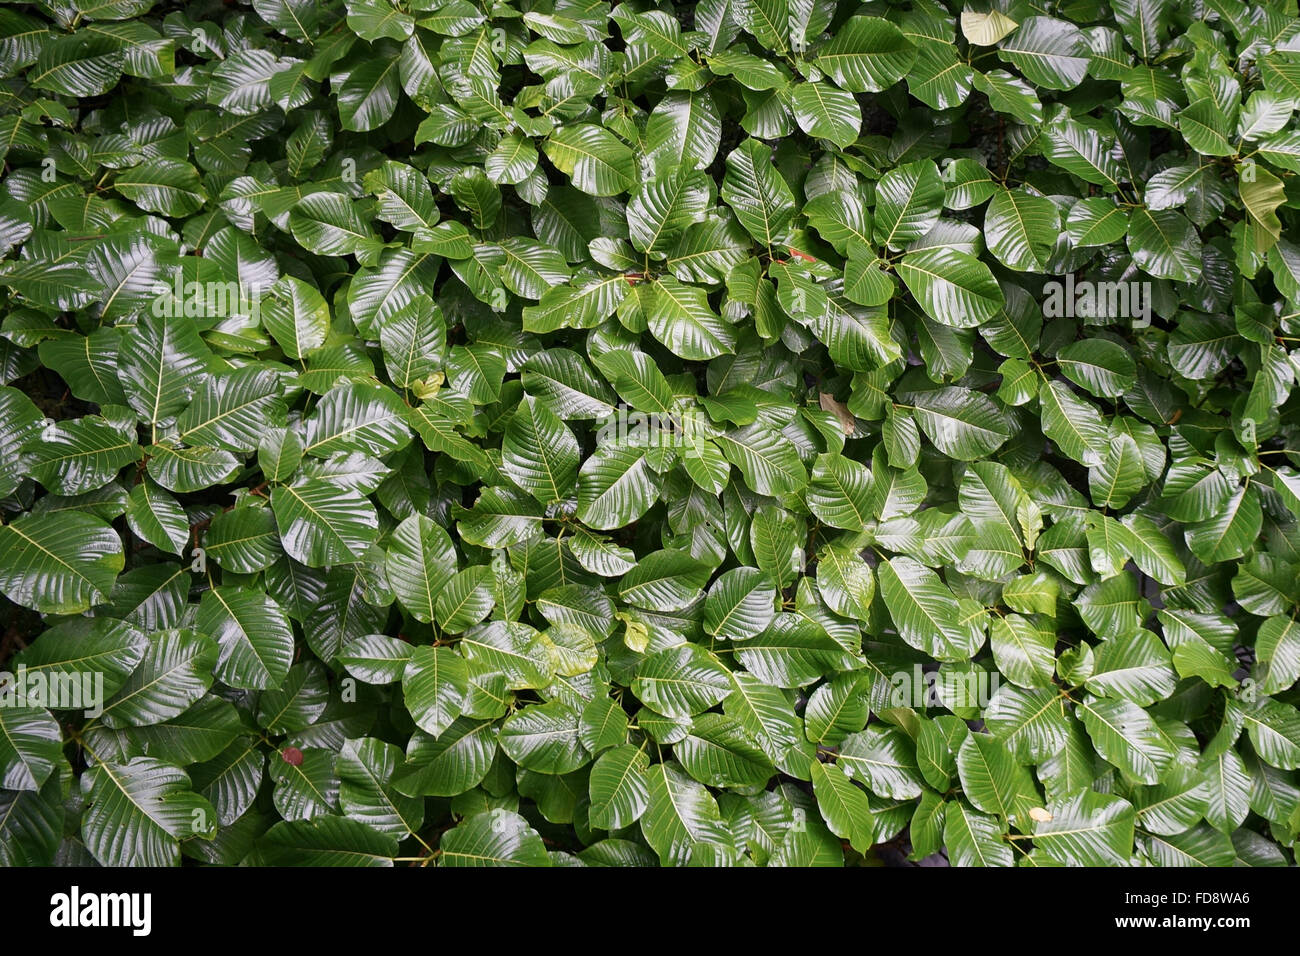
x=296, y=316
x=1087, y=829
x=30, y=745
x=1023, y=650
x=31, y=827
x=60, y=563
x=531, y=267
x=435, y=686
x=1204, y=127
x=908, y=202
x=595, y=160
x=80, y=456
x=98, y=648
x=322, y=523
x=77, y=64
x=496, y=838
x=1022, y=229
x=174, y=672
x=421, y=562
x=1126, y=736
x=767, y=459
x=1136, y=667
x=1080, y=150
x=1104, y=368
x=974, y=838
x=767, y=20
x=253, y=634
x=884, y=760
x=1164, y=244
x=843, y=806
x=680, y=814
x=840, y=493
x=827, y=112
x=139, y=811
x=939, y=78
x=1274, y=729
x=231, y=410
x=961, y=424
x=619, y=788
x=661, y=209
x=1232, y=530
x=466, y=600
x=539, y=453
x=454, y=762
x=244, y=540
x=757, y=193
x=615, y=487
x=375, y=19
x=306, y=786
x=1174, y=806
x=185, y=470
x=199, y=734
x=992, y=780
x=740, y=604
x=866, y=55
x=953, y=287
x=513, y=650
x=1073, y=424
x=158, y=363
x=1032, y=723
x=368, y=96
x=1096, y=222
x=544, y=737
x=1011, y=95
x=155, y=516
x=681, y=681
x=839, y=708
x=1050, y=53
x=1277, y=651
x=326, y=841
x=164, y=186
x=680, y=317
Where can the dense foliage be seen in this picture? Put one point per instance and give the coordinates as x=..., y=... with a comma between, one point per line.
x=781, y=432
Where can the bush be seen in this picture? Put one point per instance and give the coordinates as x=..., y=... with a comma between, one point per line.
x=741, y=432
